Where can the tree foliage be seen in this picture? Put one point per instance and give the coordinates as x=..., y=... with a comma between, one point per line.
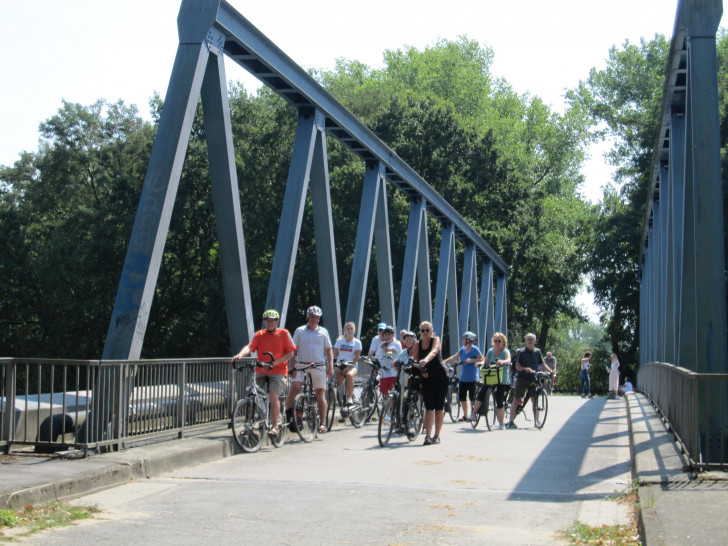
x=509, y=164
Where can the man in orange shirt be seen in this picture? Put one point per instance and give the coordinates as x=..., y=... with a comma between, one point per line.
x=279, y=343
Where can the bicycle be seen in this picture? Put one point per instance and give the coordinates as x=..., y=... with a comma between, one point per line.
x=334, y=396
x=391, y=418
x=541, y=403
x=306, y=419
x=370, y=401
x=251, y=418
x=452, y=401
x=489, y=409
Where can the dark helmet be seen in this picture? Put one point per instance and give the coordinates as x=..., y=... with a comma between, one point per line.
x=315, y=311
x=388, y=329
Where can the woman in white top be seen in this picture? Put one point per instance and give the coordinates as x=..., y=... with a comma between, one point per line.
x=347, y=349
x=614, y=377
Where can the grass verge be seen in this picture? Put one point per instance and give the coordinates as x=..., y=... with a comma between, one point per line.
x=580, y=533
x=32, y=519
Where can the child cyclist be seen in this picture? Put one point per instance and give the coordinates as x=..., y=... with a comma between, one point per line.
x=348, y=349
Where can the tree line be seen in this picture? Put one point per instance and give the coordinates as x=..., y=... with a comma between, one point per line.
x=506, y=161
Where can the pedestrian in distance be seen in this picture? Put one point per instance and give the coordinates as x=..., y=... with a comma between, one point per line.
x=585, y=383
x=613, y=370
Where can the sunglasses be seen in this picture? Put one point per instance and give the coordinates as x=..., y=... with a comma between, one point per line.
x=424, y=329
x=497, y=341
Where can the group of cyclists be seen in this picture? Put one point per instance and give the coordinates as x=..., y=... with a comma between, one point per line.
x=310, y=347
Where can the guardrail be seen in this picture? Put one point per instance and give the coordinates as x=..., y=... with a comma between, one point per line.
x=694, y=405
x=90, y=404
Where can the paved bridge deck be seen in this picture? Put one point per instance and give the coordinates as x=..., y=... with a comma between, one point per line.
x=514, y=486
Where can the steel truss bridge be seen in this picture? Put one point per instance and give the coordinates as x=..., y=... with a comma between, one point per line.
x=683, y=347
x=210, y=30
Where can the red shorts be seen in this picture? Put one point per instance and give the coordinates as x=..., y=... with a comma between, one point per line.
x=385, y=384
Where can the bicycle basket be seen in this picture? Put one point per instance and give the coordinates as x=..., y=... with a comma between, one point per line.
x=496, y=375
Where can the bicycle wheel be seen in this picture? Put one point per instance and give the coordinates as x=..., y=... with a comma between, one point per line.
x=415, y=416
x=368, y=402
x=452, y=402
x=249, y=427
x=386, y=421
x=540, y=409
x=330, y=406
x=306, y=417
x=357, y=413
x=489, y=409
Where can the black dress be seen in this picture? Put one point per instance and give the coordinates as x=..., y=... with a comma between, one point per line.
x=434, y=388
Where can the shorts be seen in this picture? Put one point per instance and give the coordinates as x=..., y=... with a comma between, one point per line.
x=386, y=384
x=522, y=384
x=275, y=383
x=466, y=390
x=318, y=376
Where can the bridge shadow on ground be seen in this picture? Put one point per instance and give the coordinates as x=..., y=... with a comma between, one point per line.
x=579, y=461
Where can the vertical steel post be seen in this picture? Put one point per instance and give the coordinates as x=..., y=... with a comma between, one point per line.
x=501, y=305
x=446, y=291
x=289, y=230
x=373, y=181
x=677, y=214
x=424, y=283
x=324, y=231
x=467, y=288
x=411, y=261
x=487, y=323
x=226, y=201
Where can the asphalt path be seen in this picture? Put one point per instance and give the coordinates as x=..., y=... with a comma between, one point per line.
x=515, y=486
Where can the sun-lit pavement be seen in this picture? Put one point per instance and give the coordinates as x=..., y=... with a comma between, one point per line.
x=516, y=487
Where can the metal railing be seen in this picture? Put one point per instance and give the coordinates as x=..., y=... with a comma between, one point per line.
x=694, y=405
x=90, y=404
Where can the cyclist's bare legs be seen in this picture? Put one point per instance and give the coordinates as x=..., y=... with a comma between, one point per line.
x=350, y=375
x=292, y=392
x=501, y=415
x=275, y=407
x=514, y=408
x=436, y=418
x=320, y=395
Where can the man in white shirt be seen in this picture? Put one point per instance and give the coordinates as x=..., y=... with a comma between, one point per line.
x=313, y=346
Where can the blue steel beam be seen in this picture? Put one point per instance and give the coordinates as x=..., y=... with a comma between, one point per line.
x=415, y=227
x=226, y=201
x=247, y=46
x=144, y=256
x=466, y=292
x=446, y=291
x=486, y=306
x=289, y=230
x=373, y=183
x=424, y=283
x=501, y=305
x=324, y=231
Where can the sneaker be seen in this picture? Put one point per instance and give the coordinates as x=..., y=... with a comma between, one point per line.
x=428, y=441
x=590, y=396
x=511, y=425
x=349, y=401
x=501, y=427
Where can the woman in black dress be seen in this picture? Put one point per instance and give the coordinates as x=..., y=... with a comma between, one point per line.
x=434, y=388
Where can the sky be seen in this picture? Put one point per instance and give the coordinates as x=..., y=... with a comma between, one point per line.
x=85, y=50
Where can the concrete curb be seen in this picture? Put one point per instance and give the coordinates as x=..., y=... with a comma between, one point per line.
x=118, y=468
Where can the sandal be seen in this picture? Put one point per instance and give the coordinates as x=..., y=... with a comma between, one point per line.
x=464, y=419
x=273, y=432
x=322, y=429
